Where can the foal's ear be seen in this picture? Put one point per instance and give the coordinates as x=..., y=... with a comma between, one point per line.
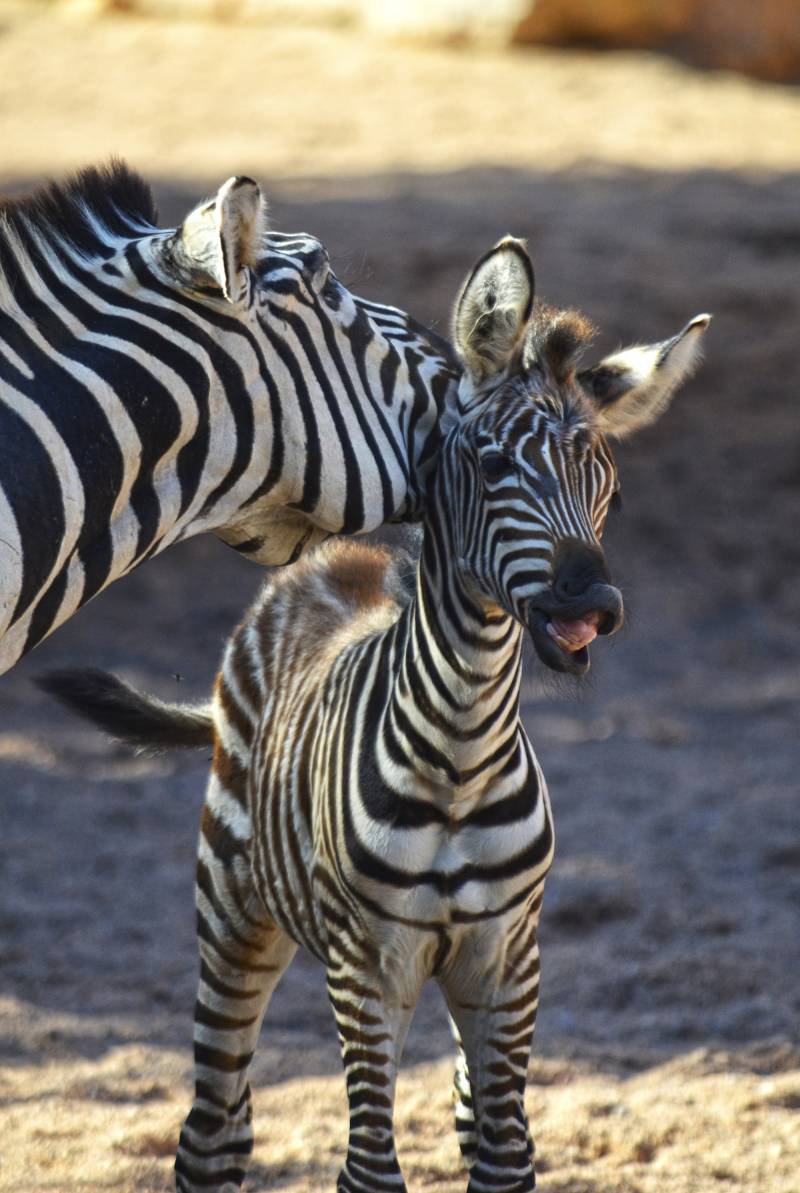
x=494, y=308
x=222, y=238
x=633, y=387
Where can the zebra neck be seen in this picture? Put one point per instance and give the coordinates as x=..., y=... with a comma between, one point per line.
x=455, y=704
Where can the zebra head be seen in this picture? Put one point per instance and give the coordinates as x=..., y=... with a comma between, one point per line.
x=369, y=381
x=527, y=477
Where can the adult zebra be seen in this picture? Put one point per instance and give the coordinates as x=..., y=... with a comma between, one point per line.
x=374, y=795
x=159, y=383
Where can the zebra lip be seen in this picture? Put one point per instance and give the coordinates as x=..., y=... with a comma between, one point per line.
x=573, y=656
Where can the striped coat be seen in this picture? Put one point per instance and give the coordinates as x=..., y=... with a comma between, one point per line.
x=374, y=796
x=159, y=383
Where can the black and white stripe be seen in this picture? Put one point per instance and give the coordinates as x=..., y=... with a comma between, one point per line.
x=374, y=796
x=158, y=383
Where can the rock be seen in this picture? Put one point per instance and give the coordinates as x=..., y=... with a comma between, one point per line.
x=760, y=39
x=615, y=23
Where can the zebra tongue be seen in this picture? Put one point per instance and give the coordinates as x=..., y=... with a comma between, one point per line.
x=575, y=634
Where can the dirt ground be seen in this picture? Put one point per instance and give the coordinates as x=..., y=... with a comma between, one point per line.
x=666, y=1056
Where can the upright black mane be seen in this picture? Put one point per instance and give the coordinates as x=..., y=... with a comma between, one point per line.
x=557, y=339
x=114, y=194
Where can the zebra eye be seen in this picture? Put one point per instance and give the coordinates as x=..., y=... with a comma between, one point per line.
x=495, y=466
x=331, y=290
x=316, y=269
x=616, y=501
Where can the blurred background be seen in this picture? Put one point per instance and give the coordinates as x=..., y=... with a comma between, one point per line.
x=650, y=153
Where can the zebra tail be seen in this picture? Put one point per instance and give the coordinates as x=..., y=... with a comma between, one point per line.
x=142, y=721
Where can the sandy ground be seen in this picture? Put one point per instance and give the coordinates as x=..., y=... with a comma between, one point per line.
x=666, y=1053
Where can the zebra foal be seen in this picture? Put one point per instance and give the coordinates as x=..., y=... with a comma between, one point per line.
x=374, y=795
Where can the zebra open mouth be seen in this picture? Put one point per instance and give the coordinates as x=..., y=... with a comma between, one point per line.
x=575, y=634
x=562, y=643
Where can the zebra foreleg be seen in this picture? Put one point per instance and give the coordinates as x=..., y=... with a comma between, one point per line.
x=462, y=1103
x=371, y=1036
x=496, y=1035
x=242, y=957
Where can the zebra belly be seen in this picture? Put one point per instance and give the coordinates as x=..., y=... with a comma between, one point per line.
x=283, y=866
x=407, y=955
x=310, y=888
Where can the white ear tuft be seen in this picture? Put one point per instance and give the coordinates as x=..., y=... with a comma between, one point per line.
x=633, y=387
x=494, y=309
x=223, y=238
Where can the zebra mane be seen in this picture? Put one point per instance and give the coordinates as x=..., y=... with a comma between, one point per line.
x=112, y=199
x=557, y=339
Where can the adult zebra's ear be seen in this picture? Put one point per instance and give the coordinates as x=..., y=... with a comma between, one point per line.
x=494, y=309
x=631, y=388
x=222, y=239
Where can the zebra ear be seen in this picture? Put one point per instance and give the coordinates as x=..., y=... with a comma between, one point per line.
x=223, y=238
x=633, y=387
x=494, y=308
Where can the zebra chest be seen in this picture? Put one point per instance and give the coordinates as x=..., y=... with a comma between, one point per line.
x=437, y=876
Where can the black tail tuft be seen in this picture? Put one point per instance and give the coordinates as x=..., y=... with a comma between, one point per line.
x=142, y=721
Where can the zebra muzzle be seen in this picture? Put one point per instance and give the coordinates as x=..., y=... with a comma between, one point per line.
x=562, y=632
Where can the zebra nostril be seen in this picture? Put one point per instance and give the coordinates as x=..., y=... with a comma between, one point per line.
x=609, y=623
x=568, y=588
x=569, y=585
x=578, y=567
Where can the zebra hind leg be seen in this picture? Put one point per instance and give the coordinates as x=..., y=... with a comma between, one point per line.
x=242, y=957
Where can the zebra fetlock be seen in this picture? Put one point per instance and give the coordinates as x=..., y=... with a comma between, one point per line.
x=215, y=1142
x=370, y=761
x=464, y=1112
